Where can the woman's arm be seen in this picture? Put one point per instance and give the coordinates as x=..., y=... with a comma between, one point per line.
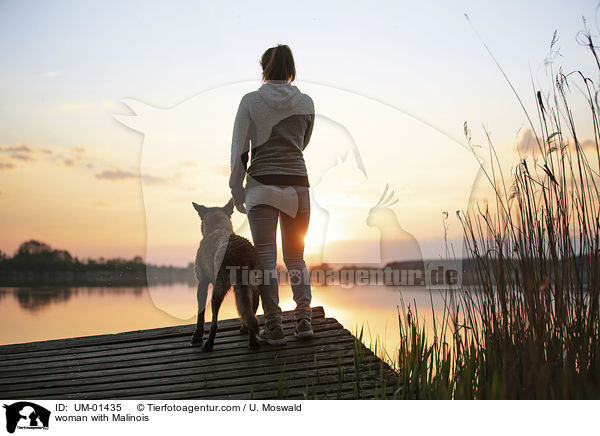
x=309, y=129
x=240, y=145
x=308, y=132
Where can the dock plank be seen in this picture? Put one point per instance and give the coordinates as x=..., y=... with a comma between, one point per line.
x=160, y=363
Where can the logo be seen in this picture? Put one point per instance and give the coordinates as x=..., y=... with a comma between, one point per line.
x=26, y=415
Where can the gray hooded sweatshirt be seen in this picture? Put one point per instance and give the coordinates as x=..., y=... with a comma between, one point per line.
x=274, y=123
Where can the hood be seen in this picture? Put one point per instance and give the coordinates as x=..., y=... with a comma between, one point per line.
x=279, y=95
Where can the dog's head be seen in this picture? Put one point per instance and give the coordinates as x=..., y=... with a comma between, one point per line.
x=215, y=218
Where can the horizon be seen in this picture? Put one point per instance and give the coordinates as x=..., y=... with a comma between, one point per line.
x=191, y=263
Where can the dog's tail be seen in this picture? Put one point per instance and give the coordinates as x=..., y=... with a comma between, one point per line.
x=245, y=301
x=246, y=283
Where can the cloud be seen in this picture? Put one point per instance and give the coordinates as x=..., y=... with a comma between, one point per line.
x=23, y=157
x=588, y=143
x=17, y=149
x=77, y=156
x=73, y=156
x=527, y=143
x=21, y=152
x=154, y=180
x=188, y=163
x=116, y=174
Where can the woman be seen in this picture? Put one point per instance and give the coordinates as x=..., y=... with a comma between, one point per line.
x=277, y=120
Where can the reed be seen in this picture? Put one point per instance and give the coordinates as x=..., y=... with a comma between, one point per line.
x=528, y=324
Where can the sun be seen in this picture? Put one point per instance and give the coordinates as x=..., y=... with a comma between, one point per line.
x=314, y=240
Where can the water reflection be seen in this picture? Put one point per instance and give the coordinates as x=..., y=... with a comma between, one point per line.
x=36, y=299
x=32, y=314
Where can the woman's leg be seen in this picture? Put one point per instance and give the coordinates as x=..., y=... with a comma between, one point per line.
x=263, y=225
x=293, y=231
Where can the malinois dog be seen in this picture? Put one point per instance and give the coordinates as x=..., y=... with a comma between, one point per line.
x=220, y=259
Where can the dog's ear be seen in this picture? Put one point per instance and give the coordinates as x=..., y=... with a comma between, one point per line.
x=200, y=209
x=228, y=208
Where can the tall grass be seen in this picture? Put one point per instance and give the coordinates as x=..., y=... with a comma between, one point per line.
x=528, y=325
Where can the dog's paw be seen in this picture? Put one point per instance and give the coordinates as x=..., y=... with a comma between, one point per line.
x=208, y=347
x=196, y=340
x=243, y=330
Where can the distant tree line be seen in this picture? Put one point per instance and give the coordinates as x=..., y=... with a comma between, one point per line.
x=36, y=262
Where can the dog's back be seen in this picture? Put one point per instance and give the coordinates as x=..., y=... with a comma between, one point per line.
x=223, y=252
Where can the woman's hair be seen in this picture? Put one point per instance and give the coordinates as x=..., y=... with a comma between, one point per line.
x=278, y=64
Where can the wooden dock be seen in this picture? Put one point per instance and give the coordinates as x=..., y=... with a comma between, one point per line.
x=160, y=364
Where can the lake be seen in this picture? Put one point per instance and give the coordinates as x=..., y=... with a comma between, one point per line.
x=35, y=314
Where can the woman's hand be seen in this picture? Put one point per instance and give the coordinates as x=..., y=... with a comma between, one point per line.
x=241, y=207
x=239, y=197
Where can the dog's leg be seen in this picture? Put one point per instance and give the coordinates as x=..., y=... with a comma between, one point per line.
x=255, y=296
x=243, y=326
x=219, y=291
x=255, y=304
x=201, y=297
x=245, y=305
x=255, y=299
x=253, y=332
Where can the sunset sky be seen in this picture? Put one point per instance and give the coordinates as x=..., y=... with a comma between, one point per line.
x=117, y=116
